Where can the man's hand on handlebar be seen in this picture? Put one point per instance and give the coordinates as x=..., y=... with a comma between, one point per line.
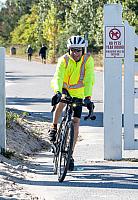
x=88, y=103
x=56, y=98
x=90, y=106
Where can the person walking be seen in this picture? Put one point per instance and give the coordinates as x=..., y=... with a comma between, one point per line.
x=42, y=53
x=29, y=52
x=74, y=75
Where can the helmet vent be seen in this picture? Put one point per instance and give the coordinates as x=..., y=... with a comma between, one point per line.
x=79, y=40
x=74, y=40
x=70, y=41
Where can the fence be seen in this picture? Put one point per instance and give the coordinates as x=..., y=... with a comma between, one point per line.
x=120, y=41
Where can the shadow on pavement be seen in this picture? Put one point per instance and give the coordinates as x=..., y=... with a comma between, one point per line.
x=13, y=78
x=96, y=176
x=26, y=101
x=31, y=101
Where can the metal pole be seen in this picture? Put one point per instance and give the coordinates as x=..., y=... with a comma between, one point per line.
x=2, y=102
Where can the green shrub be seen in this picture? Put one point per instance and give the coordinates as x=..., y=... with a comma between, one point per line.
x=11, y=117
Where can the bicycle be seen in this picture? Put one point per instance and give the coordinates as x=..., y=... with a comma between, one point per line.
x=62, y=147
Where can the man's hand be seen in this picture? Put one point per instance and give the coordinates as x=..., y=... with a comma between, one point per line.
x=56, y=98
x=88, y=103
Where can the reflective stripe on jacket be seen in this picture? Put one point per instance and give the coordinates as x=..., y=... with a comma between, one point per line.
x=82, y=72
x=76, y=77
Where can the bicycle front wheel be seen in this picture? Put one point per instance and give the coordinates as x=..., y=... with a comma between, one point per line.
x=65, y=151
x=57, y=147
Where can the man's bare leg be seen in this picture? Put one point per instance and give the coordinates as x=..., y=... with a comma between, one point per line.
x=58, y=112
x=76, y=122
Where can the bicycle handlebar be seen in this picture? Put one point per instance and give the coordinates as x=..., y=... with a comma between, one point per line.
x=69, y=100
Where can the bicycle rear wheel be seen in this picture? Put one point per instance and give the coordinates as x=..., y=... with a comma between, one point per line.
x=65, y=151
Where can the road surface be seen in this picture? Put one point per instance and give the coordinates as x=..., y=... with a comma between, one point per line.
x=28, y=89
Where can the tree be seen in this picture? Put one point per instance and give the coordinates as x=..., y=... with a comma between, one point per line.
x=25, y=32
x=43, y=8
x=54, y=21
x=51, y=30
x=63, y=9
x=130, y=12
x=86, y=16
x=10, y=14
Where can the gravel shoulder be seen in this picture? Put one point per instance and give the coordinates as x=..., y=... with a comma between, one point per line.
x=25, y=137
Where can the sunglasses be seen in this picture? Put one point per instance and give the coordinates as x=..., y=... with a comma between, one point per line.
x=76, y=50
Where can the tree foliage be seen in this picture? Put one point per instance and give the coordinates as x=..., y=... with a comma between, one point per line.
x=10, y=14
x=87, y=16
x=53, y=21
x=25, y=33
x=43, y=8
x=51, y=31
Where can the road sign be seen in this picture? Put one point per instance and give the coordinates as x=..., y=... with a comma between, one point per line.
x=114, y=42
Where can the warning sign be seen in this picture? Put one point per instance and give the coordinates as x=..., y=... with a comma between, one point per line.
x=114, y=42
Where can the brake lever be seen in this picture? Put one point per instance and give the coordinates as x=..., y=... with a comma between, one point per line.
x=90, y=115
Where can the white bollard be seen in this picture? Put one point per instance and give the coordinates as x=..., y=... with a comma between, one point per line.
x=2, y=101
x=112, y=88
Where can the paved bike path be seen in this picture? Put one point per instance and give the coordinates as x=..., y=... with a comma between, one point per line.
x=93, y=178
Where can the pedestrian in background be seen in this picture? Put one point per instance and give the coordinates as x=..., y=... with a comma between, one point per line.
x=42, y=53
x=29, y=52
x=13, y=50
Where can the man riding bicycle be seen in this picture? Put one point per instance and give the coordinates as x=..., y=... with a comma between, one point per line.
x=74, y=75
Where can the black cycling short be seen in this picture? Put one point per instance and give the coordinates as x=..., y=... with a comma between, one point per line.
x=78, y=109
x=43, y=56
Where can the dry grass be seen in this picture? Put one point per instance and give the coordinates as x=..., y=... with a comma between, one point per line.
x=98, y=60
x=20, y=53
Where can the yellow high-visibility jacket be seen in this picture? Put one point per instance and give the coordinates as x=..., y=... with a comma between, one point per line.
x=76, y=77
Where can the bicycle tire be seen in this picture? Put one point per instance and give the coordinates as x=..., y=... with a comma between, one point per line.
x=65, y=151
x=56, y=151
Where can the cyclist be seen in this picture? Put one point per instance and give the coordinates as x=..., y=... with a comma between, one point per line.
x=74, y=74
